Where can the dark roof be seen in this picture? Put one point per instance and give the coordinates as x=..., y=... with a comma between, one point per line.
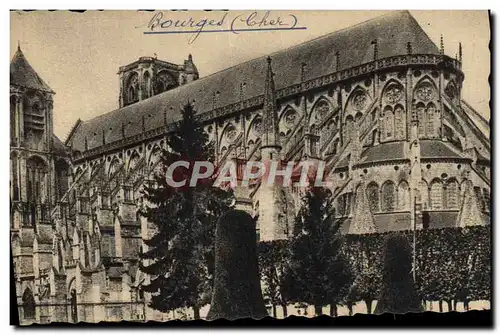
x=384, y=152
x=436, y=149
x=22, y=74
x=59, y=147
x=392, y=32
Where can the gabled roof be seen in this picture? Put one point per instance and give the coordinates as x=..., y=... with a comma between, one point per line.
x=384, y=152
x=22, y=74
x=436, y=149
x=392, y=32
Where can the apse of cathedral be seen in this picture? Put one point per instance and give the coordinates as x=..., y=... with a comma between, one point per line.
x=379, y=103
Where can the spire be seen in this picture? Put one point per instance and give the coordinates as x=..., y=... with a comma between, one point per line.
x=441, y=48
x=22, y=74
x=460, y=52
x=270, y=110
x=375, y=49
x=18, y=46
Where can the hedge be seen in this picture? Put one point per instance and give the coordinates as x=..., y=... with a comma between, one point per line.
x=451, y=263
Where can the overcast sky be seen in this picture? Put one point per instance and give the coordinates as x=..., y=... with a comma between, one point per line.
x=78, y=55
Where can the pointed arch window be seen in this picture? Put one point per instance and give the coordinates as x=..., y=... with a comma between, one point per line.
x=321, y=110
x=424, y=194
x=403, y=196
x=133, y=88
x=388, y=196
x=388, y=122
x=36, y=172
x=399, y=115
x=451, y=199
x=147, y=85
x=372, y=193
x=28, y=304
x=436, y=195
x=421, y=119
x=432, y=120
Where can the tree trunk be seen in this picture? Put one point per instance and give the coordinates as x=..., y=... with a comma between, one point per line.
x=333, y=309
x=450, y=305
x=455, y=303
x=318, y=310
x=349, y=305
x=440, y=306
x=274, y=310
x=196, y=311
x=369, y=306
x=285, y=311
x=466, y=304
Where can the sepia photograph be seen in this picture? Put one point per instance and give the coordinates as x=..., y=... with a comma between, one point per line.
x=204, y=165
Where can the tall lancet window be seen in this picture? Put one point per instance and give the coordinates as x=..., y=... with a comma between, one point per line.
x=421, y=119
x=399, y=115
x=389, y=122
x=432, y=121
x=437, y=194
x=36, y=173
x=133, y=88
x=28, y=304
x=451, y=193
x=372, y=193
x=388, y=196
x=147, y=85
x=403, y=196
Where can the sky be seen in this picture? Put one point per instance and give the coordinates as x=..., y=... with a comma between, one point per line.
x=78, y=54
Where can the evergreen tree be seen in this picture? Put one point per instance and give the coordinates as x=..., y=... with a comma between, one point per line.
x=181, y=250
x=318, y=274
x=398, y=294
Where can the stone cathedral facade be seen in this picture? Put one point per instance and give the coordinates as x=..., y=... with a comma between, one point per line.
x=379, y=103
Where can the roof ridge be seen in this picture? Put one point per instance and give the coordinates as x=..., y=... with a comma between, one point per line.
x=394, y=28
x=398, y=12
x=390, y=13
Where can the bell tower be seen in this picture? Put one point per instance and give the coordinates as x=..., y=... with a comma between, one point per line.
x=150, y=76
x=31, y=138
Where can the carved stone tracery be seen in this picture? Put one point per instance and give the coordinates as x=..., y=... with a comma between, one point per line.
x=425, y=92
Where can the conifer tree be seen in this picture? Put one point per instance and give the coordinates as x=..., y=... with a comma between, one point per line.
x=319, y=273
x=181, y=251
x=398, y=294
